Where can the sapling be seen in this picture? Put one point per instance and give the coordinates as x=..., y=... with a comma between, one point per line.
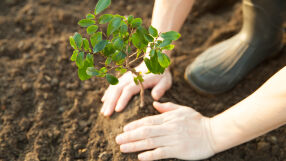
x=124, y=43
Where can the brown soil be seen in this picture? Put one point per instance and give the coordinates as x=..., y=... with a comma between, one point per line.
x=47, y=113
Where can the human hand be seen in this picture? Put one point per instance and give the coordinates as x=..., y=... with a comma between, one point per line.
x=117, y=96
x=179, y=132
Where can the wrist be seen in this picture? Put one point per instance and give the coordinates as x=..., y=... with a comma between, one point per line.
x=225, y=133
x=209, y=135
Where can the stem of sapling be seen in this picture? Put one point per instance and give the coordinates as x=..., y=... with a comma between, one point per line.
x=141, y=94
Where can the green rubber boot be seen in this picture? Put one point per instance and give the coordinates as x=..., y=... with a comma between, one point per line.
x=222, y=66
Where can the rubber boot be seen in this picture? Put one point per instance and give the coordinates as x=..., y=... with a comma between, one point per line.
x=222, y=66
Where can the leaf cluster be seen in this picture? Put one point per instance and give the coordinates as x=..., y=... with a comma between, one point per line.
x=124, y=41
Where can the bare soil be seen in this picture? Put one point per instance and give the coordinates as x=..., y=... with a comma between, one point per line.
x=47, y=113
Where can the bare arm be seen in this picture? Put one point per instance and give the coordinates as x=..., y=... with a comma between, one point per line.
x=181, y=132
x=170, y=14
x=258, y=114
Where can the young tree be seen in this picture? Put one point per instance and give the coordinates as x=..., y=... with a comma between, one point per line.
x=125, y=41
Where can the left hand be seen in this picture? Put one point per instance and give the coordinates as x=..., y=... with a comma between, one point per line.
x=179, y=132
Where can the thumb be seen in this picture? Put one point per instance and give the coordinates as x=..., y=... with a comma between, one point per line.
x=165, y=107
x=161, y=87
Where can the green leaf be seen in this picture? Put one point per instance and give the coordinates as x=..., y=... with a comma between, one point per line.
x=111, y=79
x=72, y=43
x=171, y=35
x=89, y=59
x=118, y=43
x=90, y=16
x=152, y=53
x=158, y=43
x=97, y=37
x=169, y=47
x=123, y=27
x=78, y=40
x=108, y=61
x=136, y=22
x=109, y=50
x=91, y=29
x=82, y=71
x=105, y=18
x=103, y=70
x=138, y=53
x=165, y=43
x=100, y=46
x=86, y=22
x=80, y=60
x=153, y=31
x=82, y=74
x=118, y=56
x=139, y=40
x=153, y=65
x=113, y=25
x=74, y=55
x=138, y=79
x=163, y=60
x=130, y=19
x=101, y=5
x=85, y=44
x=91, y=71
x=135, y=79
x=149, y=38
x=121, y=70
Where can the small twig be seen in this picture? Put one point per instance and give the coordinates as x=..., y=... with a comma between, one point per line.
x=141, y=94
x=133, y=54
x=133, y=61
x=140, y=84
x=104, y=34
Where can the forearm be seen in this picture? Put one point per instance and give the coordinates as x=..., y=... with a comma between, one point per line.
x=170, y=14
x=258, y=114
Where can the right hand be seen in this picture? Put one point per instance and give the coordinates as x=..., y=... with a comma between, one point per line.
x=117, y=96
x=179, y=132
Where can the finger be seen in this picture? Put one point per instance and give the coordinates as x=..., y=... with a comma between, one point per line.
x=159, y=153
x=163, y=85
x=146, y=121
x=103, y=99
x=142, y=133
x=124, y=80
x=110, y=103
x=146, y=144
x=131, y=90
x=104, y=95
x=126, y=95
x=165, y=107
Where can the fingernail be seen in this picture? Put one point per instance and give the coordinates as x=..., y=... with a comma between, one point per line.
x=155, y=103
x=141, y=157
x=126, y=128
x=116, y=109
x=118, y=139
x=106, y=112
x=123, y=148
x=155, y=95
